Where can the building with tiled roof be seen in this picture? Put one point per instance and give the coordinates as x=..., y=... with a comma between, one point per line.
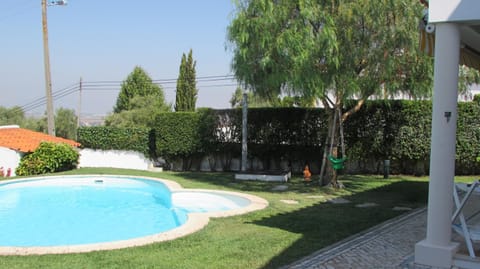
x=24, y=140
x=15, y=142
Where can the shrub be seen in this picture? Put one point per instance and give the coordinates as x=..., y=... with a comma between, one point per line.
x=48, y=158
x=138, y=139
x=177, y=134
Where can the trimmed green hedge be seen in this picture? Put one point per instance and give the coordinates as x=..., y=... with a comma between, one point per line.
x=113, y=138
x=397, y=130
x=468, y=139
x=177, y=134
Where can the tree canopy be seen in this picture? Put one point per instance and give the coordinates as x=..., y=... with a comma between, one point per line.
x=143, y=111
x=138, y=83
x=66, y=123
x=11, y=116
x=333, y=50
x=254, y=100
x=138, y=102
x=186, y=95
x=330, y=50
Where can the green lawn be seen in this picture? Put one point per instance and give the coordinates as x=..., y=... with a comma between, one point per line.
x=275, y=236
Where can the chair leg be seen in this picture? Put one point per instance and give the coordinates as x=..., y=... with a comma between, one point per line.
x=463, y=223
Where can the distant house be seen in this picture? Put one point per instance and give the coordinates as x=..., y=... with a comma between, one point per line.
x=16, y=141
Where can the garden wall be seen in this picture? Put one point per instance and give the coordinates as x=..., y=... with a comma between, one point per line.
x=9, y=159
x=114, y=159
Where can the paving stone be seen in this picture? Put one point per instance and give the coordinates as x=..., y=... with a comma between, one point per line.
x=401, y=208
x=388, y=245
x=366, y=205
x=289, y=202
x=339, y=200
x=280, y=188
x=315, y=197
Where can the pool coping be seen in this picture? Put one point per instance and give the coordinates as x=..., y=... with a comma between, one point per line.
x=194, y=223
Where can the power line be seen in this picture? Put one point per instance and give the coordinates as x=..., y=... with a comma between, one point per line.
x=115, y=86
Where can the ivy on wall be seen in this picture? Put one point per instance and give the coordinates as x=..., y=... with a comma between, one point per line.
x=113, y=138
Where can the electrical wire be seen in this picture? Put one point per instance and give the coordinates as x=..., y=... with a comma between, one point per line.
x=116, y=85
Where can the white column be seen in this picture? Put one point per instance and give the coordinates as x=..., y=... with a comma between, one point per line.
x=437, y=249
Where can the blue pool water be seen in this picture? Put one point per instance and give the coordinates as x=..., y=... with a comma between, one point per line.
x=84, y=210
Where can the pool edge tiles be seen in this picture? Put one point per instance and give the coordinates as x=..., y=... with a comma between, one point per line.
x=194, y=223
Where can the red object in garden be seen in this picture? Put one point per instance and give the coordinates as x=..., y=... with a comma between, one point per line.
x=307, y=175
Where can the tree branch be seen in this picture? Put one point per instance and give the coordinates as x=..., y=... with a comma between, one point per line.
x=354, y=109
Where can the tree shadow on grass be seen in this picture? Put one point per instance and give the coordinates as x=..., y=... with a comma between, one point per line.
x=227, y=180
x=323, y=224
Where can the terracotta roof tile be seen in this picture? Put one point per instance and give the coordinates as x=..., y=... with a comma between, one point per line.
x=26, y=140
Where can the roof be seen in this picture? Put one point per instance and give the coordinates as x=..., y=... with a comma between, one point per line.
x=25, y=140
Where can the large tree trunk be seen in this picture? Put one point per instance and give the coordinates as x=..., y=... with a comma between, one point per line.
x=328, y=175
x=326, y=168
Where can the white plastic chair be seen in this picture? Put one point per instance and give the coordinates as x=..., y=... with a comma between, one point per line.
x=467, y=210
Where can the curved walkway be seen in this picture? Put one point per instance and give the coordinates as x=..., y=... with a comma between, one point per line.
x=387, y=245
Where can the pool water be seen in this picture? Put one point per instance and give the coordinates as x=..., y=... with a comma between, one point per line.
x=86, y=210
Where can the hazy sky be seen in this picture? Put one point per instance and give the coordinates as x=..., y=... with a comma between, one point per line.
x=104, y=41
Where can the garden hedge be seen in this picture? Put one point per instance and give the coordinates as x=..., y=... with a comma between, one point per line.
x=113, y=138
x=397, y=130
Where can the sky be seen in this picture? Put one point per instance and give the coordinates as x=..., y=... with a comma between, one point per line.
x=104, y=41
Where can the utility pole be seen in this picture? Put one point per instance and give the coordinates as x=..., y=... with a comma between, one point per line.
x=46, y=56
x=79, y=103
x=48, y=78
x=244, y=132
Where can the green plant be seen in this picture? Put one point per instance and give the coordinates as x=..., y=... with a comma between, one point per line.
x=177, y=134
x=468, y=138
x=48, y=158
x=113, y=138
x=186, y=95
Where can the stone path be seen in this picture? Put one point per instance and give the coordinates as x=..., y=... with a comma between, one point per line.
x=388, y=245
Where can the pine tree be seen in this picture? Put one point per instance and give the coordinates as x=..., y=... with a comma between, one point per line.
x=180, y=94
x=186, y=95
x=138, y=83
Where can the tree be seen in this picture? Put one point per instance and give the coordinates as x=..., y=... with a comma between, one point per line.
x=466, y=77
x=66, y=123
x=143, y=111
x=186, y=96
x=138, y=83
x=254, y=100
x=331, y=50
x=11, y=116
x=16, y=116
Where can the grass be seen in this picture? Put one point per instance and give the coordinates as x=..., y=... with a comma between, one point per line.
x=270, y=238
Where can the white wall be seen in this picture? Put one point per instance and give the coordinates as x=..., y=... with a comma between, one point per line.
x=114, y=159
x=9, y=159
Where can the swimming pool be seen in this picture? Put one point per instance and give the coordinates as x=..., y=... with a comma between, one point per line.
x=84, y=213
